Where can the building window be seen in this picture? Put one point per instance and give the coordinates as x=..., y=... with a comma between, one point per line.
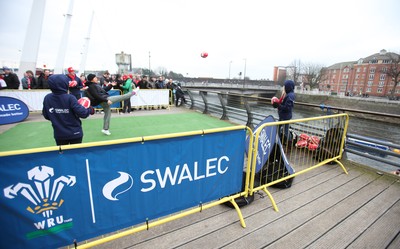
x=379, y=90
x=334, y=70
x=373, y=61
x=382, y=77
x=371, y=76
x=381, y=83
x=368, y=89
x=365, y=69
x=384, y=70
x=357, y=76
x=386, y=61
x=355, y=82
x=358, y=70
x=370, y=83
x=355, y=89
x=372, y=70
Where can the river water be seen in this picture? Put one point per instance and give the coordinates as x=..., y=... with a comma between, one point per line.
x=368, y=128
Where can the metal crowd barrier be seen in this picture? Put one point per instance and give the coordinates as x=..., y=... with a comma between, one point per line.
x=310, y=143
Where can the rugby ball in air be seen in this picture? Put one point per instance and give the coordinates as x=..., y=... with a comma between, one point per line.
x=204, y=55
x=85, y=102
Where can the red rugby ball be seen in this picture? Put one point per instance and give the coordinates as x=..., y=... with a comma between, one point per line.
x=204, y=54
x=85, y=102
x=73, y=83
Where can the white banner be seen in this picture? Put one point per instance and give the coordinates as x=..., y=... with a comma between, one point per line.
x=34, y=98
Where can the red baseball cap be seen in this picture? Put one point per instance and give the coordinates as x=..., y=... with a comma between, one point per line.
x=71, y=70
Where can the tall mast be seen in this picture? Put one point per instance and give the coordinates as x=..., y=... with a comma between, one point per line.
x=32, y=39
x=59, y=66
x=86, y=47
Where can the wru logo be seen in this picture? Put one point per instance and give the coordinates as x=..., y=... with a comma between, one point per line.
x=45, y=198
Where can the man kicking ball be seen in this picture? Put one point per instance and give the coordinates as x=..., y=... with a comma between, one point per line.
x=99, y=96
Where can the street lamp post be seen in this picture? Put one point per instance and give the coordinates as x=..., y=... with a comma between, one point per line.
x=149, y=65
x=244, y=74
x=230, y=63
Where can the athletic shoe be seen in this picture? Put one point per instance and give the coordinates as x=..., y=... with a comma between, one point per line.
x=106, y=132
x=134, y=92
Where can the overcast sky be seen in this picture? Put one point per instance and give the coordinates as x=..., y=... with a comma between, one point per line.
x=258, y=34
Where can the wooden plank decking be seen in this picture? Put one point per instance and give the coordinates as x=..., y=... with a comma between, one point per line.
x=324, y=208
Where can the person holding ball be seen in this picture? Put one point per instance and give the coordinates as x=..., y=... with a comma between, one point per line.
x=285, y=107
x=64, y=111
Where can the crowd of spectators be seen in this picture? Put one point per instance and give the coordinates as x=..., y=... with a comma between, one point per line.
x=10, y=80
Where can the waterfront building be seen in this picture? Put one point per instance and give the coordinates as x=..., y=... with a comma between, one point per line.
x=366, y=77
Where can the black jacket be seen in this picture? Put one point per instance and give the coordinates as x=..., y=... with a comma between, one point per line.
x=42, y=82
x=96, y=93
x=12, y=81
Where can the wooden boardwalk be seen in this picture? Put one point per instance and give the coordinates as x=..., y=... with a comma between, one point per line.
x=324, y=208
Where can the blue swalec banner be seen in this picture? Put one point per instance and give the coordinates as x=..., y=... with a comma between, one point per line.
x=12, y=110
x=51, y=199
x=266, y=142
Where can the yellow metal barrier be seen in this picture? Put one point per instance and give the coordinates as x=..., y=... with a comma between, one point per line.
x=310, y=143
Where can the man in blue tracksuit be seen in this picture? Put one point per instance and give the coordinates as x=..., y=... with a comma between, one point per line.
x=64, y=111
x=286, y=106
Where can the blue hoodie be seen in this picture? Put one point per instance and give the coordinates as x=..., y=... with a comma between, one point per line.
x=286, y=107
x=63, y=109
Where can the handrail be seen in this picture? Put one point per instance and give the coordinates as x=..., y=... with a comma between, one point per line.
x=311, y=105
x=249, y=116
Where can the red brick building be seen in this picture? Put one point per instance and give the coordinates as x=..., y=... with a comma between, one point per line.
x=365, y=76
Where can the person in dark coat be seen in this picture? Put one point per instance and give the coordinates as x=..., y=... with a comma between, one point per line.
x=42, y=80
x=285, y=108
x=144, y=83
x=64, y=111
x=75, y=83
x=10, y=78
x=180, y=97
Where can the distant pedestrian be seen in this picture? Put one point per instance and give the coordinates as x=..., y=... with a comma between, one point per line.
x=144, y=83
x=180, y=97
x=75, y=83
x=42, y=79
x=127, y=88
x=10, y=78
x=29, y=80
x=3, y=84
x=105, y=79
x=64, y=111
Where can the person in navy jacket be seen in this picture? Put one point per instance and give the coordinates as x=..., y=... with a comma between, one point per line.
x=64, y=111
x=285, y=108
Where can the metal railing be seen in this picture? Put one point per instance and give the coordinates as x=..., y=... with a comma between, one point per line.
x=242, y=109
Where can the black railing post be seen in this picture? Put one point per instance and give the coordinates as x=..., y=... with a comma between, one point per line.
x=203, y=96
x=191, y=98
x=249, y=114
x=223, y=105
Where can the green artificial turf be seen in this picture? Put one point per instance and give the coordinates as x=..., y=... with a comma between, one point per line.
x=40, y=134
